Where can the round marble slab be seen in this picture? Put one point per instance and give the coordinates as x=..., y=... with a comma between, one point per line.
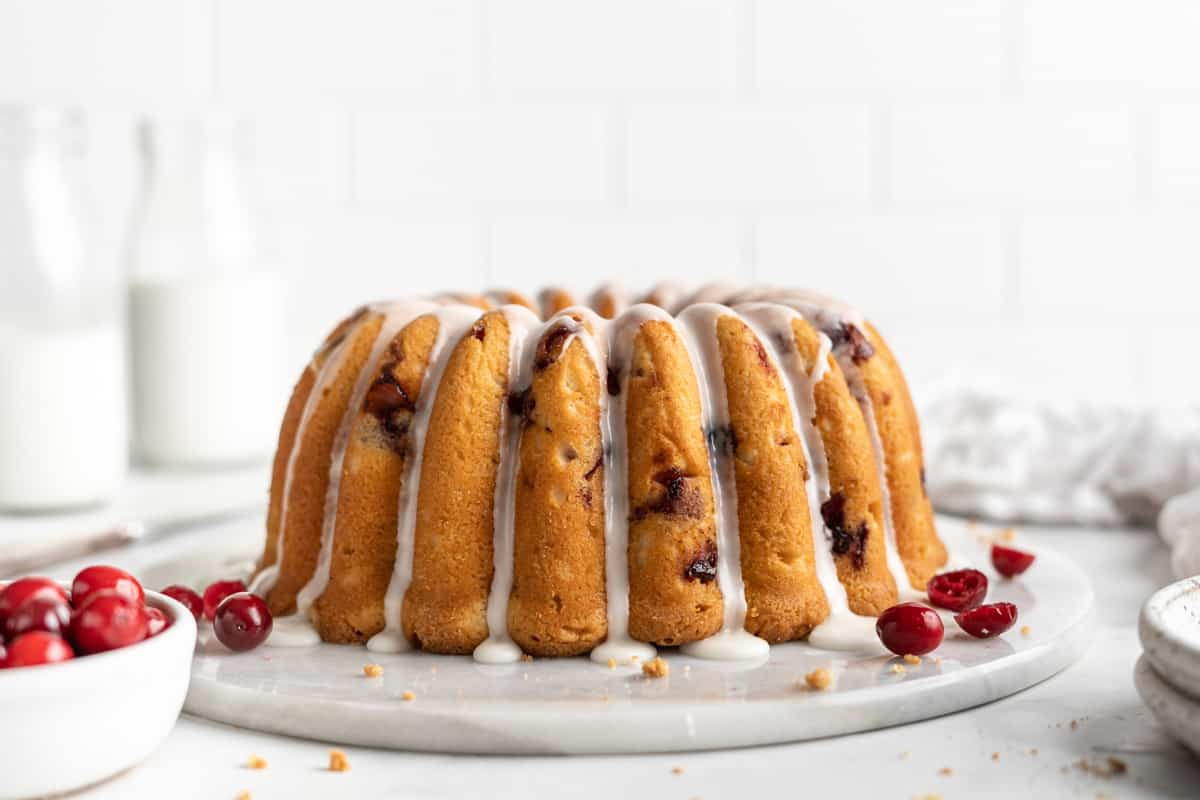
x=574, y=706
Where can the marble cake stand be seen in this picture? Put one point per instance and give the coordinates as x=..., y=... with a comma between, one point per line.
x=573, y=706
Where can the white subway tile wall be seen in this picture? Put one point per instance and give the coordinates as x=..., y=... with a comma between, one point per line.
x=1011, y=188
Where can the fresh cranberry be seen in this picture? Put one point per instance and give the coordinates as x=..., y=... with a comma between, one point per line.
x=156, y=621
x=1009, y=561
x=958, y=590
x=20, y=591
x=102, y=578
x=217, y=592
x=37, y=647
x=190, y=600
x=987, y=621
x=910, y=629
x=107, y=621
x=243, y=621
x=49, y=614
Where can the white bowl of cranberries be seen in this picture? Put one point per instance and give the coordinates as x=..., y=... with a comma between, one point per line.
x=93, y=675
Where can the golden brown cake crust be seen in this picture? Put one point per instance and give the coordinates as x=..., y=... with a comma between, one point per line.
x=364, y=544
x=554, y=300
x=853, y=512
x=912, y=514
x=557, y=605
x=445, y=608
x=310, y=478
x=784, y=599
x=673, y=594
x=289, y=427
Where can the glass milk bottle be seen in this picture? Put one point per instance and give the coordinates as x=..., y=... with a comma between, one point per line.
x=63, y=439
x=204, y=306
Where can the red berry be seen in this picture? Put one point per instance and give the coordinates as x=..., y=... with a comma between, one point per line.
x=19, y=591
x=958, y=590
x=107, y=621
x=190, y=600
x=156, y=621
x=216, y=592
x=37, y=647
x=102, y=578
x=987, y=621
x=49, y=614
x=910, y=629
x=1009, y=561
x=243, y=621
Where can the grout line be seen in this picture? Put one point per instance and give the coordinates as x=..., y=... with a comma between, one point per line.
x=483, y=51
x=1012, y=262
x=748, y=249
x=746, y=42
x=616, y=157
x=1144, y=132
x=879, y=159
x=214, y=49
x=484, y=241
x=350, y=126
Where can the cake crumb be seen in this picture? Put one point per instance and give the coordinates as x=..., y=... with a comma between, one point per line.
x=372, y=670
x=946, y=772
x=526, y=657
x=687, y=667
x=677, y=770
x=936, y=659
x=904, y=755
x=909, y=658
x=338, y=761
x=1074, y=724
x=256, y=762
x=1007, y=535
x=1033, y=751
x=635, y=659
x=898, y=669
x=1026, y=630
x=408, y=696
x=433, y=669
x=996, y=756
x=819, y=679
x=612, y=663
x=928, y=796
x=244, y=796
x=656, y=668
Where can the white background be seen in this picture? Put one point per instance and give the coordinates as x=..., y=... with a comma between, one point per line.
x=1010, y=187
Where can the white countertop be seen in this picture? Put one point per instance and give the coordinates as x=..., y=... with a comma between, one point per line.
x=1039, y=750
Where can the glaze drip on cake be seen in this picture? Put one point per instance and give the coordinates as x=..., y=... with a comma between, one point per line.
x=773, y=414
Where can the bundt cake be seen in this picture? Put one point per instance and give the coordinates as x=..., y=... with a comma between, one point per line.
x=486, y=474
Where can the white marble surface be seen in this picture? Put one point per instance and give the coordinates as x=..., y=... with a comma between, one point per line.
x=1031, y=732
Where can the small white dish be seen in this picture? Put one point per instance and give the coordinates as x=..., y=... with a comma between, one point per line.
x=1178, y=713
x=1169, y=627
x=67, y=726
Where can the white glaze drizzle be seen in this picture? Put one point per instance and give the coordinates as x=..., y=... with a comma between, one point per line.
x=617, y=336
x=697, y=325
x=498, y=647
x=453, y=322
x=842, y=629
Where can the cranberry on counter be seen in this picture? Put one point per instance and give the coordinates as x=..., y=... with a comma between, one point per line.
x=910, y=629
x=987, y=621
x=217, y=592
x=1010, y=561
x=106, y=622
x=959, y=590
x=35, y=648
x=187, y=598
x=242, y=621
